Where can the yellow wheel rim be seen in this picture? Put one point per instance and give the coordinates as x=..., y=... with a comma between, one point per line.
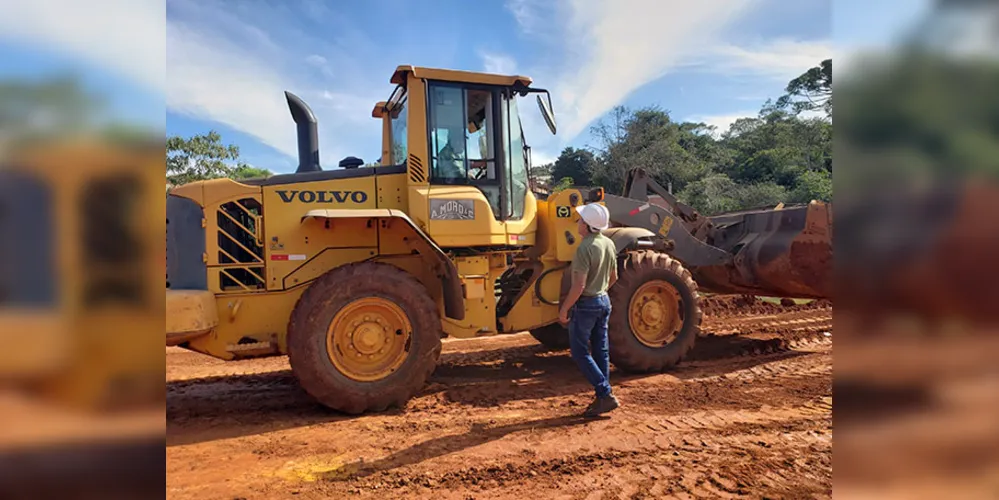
x=368, y=339
x=654, y=313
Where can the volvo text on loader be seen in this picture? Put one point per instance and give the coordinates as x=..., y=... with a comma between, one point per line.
x=358, y=273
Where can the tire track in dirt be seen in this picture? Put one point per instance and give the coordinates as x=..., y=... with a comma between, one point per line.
x=640, y=435
x=748, y=415
x=691, y=466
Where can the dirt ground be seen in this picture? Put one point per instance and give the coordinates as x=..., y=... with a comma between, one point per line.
x=748, y=415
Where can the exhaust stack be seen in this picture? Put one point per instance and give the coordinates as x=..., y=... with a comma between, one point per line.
x=308, y=137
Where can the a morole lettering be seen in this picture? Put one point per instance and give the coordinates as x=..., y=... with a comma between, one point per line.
x=323, y=196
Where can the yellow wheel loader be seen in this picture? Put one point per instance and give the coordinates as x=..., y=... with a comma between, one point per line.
x=357, y=273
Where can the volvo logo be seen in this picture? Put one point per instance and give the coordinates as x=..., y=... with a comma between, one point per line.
x=323, y=196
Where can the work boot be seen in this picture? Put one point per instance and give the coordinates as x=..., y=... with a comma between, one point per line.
x=601, y=406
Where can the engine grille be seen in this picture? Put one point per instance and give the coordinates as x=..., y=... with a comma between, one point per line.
x=240, y=247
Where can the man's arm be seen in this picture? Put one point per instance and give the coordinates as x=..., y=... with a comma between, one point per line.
x=580, y=269
x=613, y=276
x=575, y=291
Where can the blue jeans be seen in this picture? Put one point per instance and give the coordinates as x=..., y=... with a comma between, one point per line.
x=588, y=326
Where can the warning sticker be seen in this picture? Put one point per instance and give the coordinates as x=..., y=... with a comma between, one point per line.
x=667, y=224
x=285, y=256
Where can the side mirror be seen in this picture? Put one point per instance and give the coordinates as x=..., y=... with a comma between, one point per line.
x=546, y=111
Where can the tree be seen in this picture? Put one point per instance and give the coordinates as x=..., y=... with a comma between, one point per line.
x=542, y=171
x=576, y=164
x=776, y=146
x=673, y=153
x=57, y=105
x=814, y=185
x=203, y=157
x=244, y=171
x=815, y=86
x=563, y=184
x=775, y=157
x=710, y=195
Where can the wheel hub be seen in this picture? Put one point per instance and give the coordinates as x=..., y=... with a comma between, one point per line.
x=655, y=315
x=368, y=339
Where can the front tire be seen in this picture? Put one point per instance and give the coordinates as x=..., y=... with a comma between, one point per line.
x=553, y=336
x=363, y=337
x=655, y=312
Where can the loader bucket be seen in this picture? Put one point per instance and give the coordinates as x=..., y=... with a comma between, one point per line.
x=782, y=252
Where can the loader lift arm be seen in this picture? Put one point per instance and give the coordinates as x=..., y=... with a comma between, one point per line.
x=673, y=224
x=637, y=185
x=779, y=252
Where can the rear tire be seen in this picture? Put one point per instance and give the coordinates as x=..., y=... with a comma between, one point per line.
x=644, y=312
x=363, y=337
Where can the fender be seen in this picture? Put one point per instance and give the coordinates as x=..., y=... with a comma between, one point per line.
x=454, y=298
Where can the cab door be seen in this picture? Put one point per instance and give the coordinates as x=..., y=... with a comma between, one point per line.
x=478, y=192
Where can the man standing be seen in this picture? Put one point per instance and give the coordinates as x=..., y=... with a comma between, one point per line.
x=594, y=270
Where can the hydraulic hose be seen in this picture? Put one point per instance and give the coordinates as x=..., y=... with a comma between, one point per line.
x=537, y=284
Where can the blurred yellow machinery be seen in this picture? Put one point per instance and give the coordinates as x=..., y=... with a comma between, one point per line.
x=80, y=267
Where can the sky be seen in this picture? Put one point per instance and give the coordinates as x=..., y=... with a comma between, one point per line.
x=229, y=62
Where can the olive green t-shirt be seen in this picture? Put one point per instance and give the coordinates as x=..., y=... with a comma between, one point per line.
x=595, y=257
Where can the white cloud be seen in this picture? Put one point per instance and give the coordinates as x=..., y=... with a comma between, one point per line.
x=524, y=11
x=317, y=61
x=237, y=76
x=539, y=158
x=320, y=63
x=780, y=59
x=212, y=79
x=612, y=49
x=498, y=63
x=722, y=122
x=96, y=32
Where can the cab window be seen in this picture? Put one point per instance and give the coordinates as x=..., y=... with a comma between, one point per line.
x=463, y=139
x=516, y=160
x=398, y=126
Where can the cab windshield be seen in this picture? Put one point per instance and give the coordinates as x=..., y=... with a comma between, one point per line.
x=474, y=129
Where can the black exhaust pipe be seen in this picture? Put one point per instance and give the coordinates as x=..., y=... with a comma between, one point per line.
x=308, y=137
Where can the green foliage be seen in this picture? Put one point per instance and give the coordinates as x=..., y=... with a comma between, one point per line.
x=575, y=164
x=815, y=86
x=775, y=157
x=761, y=195
x=777, y=146
x=711, y=195
x=563, y=184
x=672, y=153
x=542, y=171
x=717, y=193
x=244, y=171
x=52, y=106
x=34, y=110
x=919, y=117
x=812, y=185
x=203, y=157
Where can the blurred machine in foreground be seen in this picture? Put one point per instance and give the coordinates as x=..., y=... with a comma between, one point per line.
x=79, y=268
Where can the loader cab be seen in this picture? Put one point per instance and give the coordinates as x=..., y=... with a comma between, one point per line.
x=460, y=135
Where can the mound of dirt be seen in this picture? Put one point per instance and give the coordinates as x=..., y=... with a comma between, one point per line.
x=723, y=305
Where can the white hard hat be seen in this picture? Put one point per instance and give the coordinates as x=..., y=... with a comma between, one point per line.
x=595, y=215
